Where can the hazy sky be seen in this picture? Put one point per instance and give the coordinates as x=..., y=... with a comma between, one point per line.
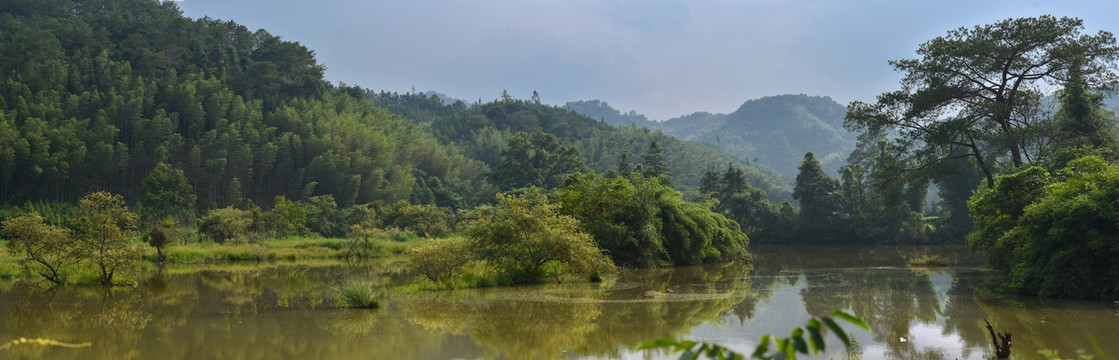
x=663, y=58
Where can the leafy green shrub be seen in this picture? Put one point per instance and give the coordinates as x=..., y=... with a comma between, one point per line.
x=524, y=236
x=440, y=259
x=287, y=217
x=620, y=214
x=359, y=294
x=225, y=225
x=996, y=210
x=1069, y=237
x=321, y=216
x=159, y=236
x=1056, y=235
x=640, y=222
x=424, y=220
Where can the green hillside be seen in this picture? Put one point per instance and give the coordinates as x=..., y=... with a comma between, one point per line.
x=483, y=129
x=94, y=94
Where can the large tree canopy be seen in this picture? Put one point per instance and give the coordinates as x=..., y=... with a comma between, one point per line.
x=975, y=92
x=539, y=159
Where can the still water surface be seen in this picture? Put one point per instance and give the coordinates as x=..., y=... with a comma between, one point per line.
x=280, y=311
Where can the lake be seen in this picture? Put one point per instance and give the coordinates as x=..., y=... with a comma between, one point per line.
x=290, y=311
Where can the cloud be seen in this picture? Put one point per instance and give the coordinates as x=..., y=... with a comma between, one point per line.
x=664, y=58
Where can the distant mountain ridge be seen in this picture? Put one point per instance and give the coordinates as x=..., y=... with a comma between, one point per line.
x=773, y=131
x=600, y=110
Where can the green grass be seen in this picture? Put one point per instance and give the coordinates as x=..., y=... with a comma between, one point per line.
x=359, y=294
x=286, y=248
x=476, y=274
x=9, y=265
x=929, y=261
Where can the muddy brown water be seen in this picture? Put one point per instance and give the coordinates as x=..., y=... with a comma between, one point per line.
x=290, y=311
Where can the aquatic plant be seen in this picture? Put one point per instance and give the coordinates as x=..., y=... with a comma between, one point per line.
x=359, y=294
x=929, y=261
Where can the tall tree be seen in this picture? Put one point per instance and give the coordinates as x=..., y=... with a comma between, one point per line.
x=1082, y=119
x=624, y=167
x=819, y=199
x=709, y=184
x=655, y=165
x=978, y=89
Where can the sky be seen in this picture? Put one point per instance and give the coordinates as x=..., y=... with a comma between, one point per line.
x=661, y=58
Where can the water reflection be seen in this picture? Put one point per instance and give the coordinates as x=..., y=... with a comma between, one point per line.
x=290, y=311
x=580, y=319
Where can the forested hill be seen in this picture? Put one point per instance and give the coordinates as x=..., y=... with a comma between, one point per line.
x=483, y=129
x=772, y=131
x=600, y=110
x=94, y=94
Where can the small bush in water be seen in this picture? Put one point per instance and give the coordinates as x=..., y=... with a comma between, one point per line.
x=359, y=294
x=929, y=261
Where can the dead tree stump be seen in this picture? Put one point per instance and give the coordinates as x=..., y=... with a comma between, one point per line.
x=1001, y=341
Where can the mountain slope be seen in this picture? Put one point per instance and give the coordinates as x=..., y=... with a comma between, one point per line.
x=772, y=131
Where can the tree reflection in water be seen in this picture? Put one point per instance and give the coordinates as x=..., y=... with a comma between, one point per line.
x=275, y=311
x=601, y=320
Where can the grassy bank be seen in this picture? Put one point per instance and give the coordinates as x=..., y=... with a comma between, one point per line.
x=287, y=248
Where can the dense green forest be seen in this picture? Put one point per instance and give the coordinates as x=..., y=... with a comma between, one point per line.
x=95, y=94
x=482, y=129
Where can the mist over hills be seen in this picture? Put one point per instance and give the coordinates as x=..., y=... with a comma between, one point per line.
x=772, y=131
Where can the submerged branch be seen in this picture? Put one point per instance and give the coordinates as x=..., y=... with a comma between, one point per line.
x=45, y=342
